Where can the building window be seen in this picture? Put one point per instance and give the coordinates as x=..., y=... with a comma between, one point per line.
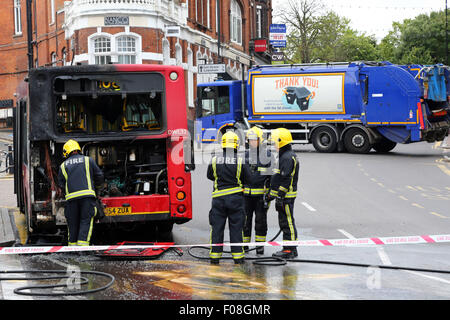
x=53, y=58
x=126, y=49
x=64, y=56
x=235, y=22
x=52, y=12
x=17, y=18
x=258, y=22
x=166, y=51
x=102, y=50
x=123, y=48
x=202, y=12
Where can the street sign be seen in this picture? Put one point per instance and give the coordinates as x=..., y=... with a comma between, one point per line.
x=117, y=21
x=277, y=35
x=211, y=68
x=260, y=45
x=173, y=31
x=277, y=57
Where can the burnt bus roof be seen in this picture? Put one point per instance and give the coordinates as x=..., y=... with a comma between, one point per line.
x=42, y=89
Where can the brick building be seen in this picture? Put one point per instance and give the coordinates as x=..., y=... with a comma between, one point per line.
x=178, y=32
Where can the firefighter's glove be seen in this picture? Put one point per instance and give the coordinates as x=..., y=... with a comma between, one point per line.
x=279, y=203
x=268, y=197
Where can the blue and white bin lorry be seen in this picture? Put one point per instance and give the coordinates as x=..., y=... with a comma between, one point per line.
x=335, y=106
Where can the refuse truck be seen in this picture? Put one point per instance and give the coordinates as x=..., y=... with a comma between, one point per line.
x=351, y=107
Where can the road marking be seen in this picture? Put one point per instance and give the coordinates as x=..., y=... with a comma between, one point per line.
x=383, y=256
x=412, y=188
x=391, y=191
x=308, y=206
x=345, y=233
x=417, y=205
x=403, y=198
x=380, y=184
x=427, y=276
x=438, y=215
x=380, y=250
x=444, y=168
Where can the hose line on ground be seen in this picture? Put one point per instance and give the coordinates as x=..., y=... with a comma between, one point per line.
x=277, y=261
x=70, y=282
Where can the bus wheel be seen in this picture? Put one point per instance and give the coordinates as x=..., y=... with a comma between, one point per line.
x=357, y=141
x=324, y=140
x=384, y=146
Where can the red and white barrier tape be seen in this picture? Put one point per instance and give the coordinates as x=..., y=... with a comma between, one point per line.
x=302, y=243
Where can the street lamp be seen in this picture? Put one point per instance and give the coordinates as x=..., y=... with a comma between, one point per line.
x=446, y=33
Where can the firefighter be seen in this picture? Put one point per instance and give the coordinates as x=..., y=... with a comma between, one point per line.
x=258, y=158
x=228, y=172
x=78, y=176
x=283, y=188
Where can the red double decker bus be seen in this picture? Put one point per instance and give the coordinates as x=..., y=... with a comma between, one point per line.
x=131, y=119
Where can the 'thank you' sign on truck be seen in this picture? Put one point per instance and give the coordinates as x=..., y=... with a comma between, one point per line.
x=298, y=93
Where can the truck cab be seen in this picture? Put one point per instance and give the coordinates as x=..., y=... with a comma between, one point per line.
x=218, y=107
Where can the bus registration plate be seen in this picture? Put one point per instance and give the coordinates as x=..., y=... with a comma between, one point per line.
x=117, y=211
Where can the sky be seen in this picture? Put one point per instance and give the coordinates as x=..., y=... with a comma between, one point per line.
x=376, y=16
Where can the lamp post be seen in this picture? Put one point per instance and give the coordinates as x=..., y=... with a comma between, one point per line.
x=219, y=58
x=446, y=34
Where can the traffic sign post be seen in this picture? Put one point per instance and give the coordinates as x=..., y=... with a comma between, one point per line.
x=211, y=68
x=277, y=35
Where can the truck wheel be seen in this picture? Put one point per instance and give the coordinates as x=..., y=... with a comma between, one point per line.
x=384, y=146
x=324, y=140
x=357, y=141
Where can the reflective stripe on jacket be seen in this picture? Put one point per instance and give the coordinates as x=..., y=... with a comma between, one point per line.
x=284, y=181
x=77, y=175
x=228, y=174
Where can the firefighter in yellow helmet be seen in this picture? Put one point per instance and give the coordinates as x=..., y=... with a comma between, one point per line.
x=259, y=159
x=228, y=172
x=78, y=176
x=283, y=188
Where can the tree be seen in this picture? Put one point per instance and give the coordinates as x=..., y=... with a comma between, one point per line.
x=303, y=28
x=419, y=40
x=332, y=27
x=357, y=47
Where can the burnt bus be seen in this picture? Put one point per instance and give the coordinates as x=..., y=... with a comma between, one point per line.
x=131, y=119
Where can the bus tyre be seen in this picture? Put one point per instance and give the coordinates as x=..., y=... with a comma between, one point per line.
x=384, y=146
x=324, y=140
x=357, y=141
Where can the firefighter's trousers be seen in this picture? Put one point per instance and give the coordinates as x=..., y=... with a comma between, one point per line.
x=231, y=208
x=79, y=214
x=255, y=205
x=287, y=222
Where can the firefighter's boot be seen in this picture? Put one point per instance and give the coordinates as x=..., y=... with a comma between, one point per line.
x=286, y=254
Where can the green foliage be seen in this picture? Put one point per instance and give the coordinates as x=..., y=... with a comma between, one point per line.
x=318, y=36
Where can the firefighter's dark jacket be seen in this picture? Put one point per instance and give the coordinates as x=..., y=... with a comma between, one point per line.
x=228, y=172
x=283, y=183
x=260, y=162
x=78, y=176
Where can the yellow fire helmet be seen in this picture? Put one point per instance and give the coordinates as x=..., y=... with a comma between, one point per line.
x=255, y=133
x=281, y=137
x=230, y=140
x=69, y=147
